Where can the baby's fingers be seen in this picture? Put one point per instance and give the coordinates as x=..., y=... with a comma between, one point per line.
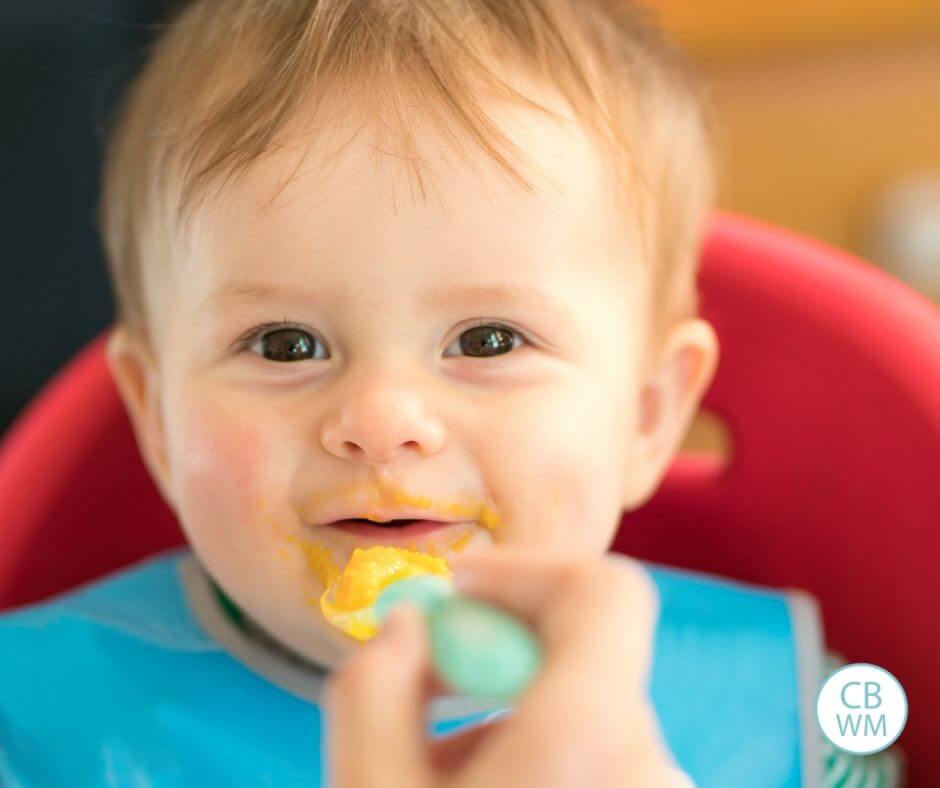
x=375, y=704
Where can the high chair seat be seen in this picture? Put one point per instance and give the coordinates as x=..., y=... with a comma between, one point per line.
x=829, y=384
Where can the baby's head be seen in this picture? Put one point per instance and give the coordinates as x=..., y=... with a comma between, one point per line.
x=404, y=259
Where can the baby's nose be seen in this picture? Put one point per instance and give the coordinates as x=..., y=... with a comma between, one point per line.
x=381, y=425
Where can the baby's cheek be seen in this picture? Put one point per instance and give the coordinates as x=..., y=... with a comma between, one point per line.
x=560, y=484
x=224, y=471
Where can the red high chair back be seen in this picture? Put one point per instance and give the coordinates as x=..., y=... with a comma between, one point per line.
x=829, y=383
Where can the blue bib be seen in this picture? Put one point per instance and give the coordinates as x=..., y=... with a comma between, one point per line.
x=117, y=683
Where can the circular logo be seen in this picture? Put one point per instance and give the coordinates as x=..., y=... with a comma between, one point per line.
x=861, y=708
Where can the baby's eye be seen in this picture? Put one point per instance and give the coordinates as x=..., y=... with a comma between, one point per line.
x=488, y=340
x=288, y=344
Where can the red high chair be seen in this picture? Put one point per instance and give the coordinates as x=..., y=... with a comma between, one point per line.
x=829, y=382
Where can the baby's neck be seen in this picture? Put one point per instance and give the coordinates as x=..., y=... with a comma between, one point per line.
x=257, y=633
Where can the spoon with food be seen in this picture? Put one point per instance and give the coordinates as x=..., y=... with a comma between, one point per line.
x=476, y=648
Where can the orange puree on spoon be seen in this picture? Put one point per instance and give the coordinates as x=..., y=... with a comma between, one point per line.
x=347, y=601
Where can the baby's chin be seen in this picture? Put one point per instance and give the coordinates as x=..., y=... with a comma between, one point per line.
x=321, y=643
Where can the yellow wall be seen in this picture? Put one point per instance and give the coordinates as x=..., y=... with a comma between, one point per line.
x=809, y=143
x=728, y=29
x=821, y=105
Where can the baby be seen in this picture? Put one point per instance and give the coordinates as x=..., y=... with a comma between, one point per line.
x=369, y=264
x=409, y=273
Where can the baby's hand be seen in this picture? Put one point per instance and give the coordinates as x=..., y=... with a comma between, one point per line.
x=585, y=720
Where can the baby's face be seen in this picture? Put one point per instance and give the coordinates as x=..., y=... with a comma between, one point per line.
x=352, y=352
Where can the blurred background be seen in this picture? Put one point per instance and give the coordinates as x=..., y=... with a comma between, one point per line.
x=828, y=111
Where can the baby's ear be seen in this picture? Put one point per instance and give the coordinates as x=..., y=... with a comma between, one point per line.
x=669, y=399
x=136, y=375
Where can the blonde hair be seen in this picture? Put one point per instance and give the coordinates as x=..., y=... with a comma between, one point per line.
x=227, y=76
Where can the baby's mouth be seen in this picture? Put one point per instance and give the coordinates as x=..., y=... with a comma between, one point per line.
x=395, y=523
x=393, y=532
x=329, y=544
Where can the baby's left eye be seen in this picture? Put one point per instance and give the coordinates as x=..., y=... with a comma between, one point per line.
x=486, y=341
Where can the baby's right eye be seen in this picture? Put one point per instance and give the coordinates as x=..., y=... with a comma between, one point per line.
x=288, y=344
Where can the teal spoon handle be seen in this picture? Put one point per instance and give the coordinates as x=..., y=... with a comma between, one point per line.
x=478, y=649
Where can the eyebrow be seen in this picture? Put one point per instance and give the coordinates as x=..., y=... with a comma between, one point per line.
x=523, y=294
x=247, y=291
x=490, y=294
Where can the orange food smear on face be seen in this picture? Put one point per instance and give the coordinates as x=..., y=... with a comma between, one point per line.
x=363, y=580
x=488, y=517
x=460, y=542
x=318, y=559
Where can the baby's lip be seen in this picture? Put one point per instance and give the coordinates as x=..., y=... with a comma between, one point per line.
x=424, y=535
x=406, y=532
x=378, y=515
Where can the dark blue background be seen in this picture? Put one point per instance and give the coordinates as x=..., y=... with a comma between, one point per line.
x=63, y=63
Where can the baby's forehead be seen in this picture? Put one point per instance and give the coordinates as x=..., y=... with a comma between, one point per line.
x=348, y=243
x=348, y=191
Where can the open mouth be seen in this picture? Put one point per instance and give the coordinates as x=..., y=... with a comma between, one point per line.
x=380, y=523
x=391, y=531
